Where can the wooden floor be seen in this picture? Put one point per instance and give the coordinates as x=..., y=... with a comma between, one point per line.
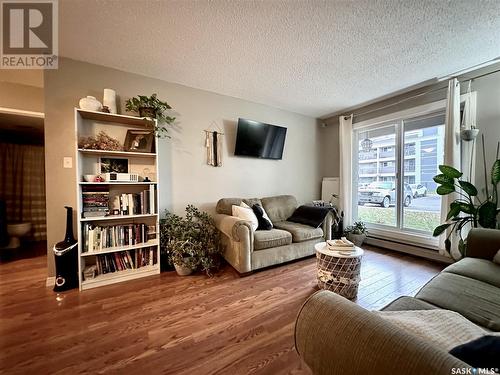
x=176, y=325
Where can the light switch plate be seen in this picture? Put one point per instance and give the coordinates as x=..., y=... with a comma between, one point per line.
x=68, y=162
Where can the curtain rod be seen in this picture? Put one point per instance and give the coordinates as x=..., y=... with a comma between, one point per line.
x=420, y=94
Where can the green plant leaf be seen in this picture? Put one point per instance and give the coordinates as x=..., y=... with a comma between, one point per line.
x=440, y=229
x=454, y=210
x=487, y=213
x=462, y=247
x=447, y=245
x=495, y=172
x=467, y=208
x=443, y=179
x=468, y=188
x=445, y=189
x=450, y=171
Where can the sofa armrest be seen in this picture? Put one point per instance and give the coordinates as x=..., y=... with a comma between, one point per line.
x=336, y=336
x=237, y=241
x=483, y=243
x=231, y=226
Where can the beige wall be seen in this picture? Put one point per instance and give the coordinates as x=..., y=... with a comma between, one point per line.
x=184, y=176
x=20, y=96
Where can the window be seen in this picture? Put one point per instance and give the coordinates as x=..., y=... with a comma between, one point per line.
x=393, y=187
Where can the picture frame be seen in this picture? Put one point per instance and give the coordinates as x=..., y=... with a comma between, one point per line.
x=139, y=141
x=113, y=165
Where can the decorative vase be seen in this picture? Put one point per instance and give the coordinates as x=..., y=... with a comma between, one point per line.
x=183, y=270
x=147, y=112
x=90, y=104
x=109, y=100
x=468, y=135
x=357, y=239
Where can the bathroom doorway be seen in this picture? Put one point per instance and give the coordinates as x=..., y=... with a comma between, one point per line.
x=23, y=228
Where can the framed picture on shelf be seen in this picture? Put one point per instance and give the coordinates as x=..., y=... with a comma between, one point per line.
x=114, y=165
x=139, y=141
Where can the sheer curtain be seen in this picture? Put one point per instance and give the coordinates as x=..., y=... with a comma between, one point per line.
x=22, y=185
x=345, y=141
x=452, y=157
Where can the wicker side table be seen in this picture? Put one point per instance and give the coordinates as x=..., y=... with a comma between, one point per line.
x=338, y=271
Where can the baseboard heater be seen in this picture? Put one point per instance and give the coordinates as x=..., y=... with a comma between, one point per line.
x=402, y=247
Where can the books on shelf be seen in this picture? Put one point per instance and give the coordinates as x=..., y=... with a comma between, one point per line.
x=126, y=260
x=96, y=238
x=138, y=203
x=95, y=200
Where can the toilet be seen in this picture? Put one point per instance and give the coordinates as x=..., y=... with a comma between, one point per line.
x=16, y=231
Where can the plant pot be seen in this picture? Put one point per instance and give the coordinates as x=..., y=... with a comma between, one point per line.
x=147, y=112
x=183, y=270
x=468, y=135
x=357, y=239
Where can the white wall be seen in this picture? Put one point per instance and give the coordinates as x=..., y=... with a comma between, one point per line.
x=184, y=176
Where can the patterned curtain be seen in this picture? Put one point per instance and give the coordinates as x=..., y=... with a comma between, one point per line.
x=22, y=185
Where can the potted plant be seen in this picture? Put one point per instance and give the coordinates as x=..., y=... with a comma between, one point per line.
x=190, y=242
x=151, y=107
x=356, y=233
x=467, y=208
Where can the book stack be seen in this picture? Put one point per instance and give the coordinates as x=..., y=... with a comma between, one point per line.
x=138, y=204
x=96, y=238
x=340, y=245
x=126, y=260
x=95, y=200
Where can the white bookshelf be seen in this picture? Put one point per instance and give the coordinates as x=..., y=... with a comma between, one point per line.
x=90, y=123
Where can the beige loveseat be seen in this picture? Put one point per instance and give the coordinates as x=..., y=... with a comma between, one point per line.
x=247, y=250
x=336, y=336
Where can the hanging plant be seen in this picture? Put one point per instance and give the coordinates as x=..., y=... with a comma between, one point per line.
x=152, y=107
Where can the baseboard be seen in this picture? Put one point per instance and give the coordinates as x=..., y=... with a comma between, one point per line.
x=408, y=249
x=50, y=281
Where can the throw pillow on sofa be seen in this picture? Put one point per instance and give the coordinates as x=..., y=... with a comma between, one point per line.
x=482, y=352
x=245, y=213
x=309, y=215
x=262, y=218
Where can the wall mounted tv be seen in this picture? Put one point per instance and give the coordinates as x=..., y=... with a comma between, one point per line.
x=259, y=140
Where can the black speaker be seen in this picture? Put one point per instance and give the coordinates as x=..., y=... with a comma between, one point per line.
x=66, y=257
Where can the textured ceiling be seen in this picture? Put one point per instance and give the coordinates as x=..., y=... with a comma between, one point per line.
x=311, y=57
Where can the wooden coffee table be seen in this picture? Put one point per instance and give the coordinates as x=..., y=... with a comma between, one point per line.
x=338, y=271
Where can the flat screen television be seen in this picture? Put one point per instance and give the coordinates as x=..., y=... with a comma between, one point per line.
x=259, y=140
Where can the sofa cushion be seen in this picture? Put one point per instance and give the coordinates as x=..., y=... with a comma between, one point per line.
x=408, y=303
x=279, y=208
x=225, y=205
x=266, y=239
x=262, y=219
x=476, y=268
x=300, y=232
x=476, y=300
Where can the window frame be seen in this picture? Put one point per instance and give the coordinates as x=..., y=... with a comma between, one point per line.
x=397, y=232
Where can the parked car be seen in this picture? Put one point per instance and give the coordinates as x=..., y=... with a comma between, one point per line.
x=383, y=193
x=418, y=190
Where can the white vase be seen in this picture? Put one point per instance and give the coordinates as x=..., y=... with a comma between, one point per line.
x=109, y=100
x=90, y=104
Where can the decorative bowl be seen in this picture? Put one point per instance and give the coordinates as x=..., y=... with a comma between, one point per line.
x=89, y=177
